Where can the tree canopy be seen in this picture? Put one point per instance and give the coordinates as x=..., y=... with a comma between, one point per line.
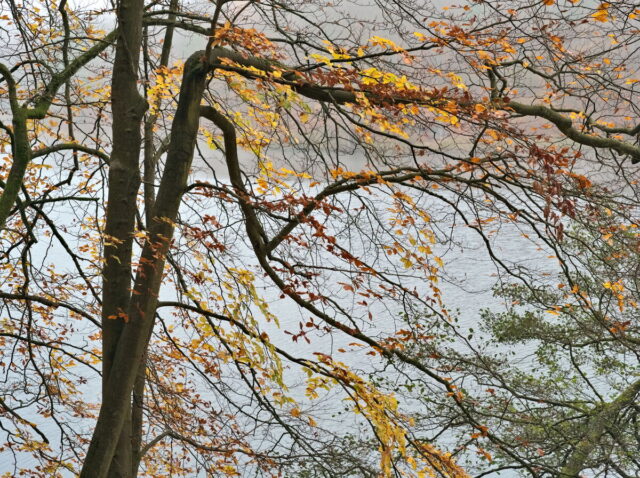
x=256, y=238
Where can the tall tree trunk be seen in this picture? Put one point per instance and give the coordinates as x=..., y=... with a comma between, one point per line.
x=134, y=335
x=150, y=160
x=128, y=108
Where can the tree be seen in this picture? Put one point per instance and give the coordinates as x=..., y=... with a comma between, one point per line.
x=342, y=153
x=567, y=402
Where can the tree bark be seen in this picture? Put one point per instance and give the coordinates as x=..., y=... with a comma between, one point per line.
x=135, y=333
x=150, y=160
x=128, y=108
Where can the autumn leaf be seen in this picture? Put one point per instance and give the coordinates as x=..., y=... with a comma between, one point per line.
x=602, y=14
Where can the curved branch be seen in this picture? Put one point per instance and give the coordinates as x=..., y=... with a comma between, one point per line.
x=50, y=303
x=565, y=125
x=43, y=103
x=73, y=146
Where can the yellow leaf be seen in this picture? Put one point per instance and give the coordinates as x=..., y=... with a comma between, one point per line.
x=420, y=36
x=602, y=15
x=406, y=262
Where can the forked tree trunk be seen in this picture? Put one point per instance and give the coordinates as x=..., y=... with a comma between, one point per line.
x=134, y=334
x=128, y=108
